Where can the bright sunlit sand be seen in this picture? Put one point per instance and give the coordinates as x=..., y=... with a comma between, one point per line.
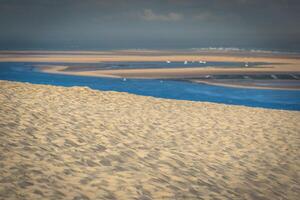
x=78, y=143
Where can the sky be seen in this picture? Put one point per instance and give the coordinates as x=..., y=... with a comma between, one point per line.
x=154, y=24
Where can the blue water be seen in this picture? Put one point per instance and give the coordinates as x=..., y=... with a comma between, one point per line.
x=276, y=99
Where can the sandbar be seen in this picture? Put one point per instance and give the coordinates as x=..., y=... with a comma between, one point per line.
x=277, y=63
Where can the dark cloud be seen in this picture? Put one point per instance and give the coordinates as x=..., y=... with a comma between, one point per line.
x=149, y=24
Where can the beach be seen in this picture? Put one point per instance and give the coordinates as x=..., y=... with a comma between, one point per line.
x=79, y=143
x=269, y=63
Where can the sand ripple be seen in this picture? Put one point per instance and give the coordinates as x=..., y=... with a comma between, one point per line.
x=77, y=143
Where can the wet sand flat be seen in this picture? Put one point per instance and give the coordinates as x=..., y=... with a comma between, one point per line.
x=278, y=63
x=168, y=73
x=284, y=62
x=270, y=63
x=78, y=143
x=257, y=84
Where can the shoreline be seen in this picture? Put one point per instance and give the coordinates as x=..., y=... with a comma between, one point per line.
x=102, y=73
x=232, y=85
x=127, y=55
x=278, y=63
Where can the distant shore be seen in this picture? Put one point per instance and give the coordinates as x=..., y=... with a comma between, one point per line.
x=276, y=63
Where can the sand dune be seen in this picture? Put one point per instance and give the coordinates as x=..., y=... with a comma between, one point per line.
x=77, y=143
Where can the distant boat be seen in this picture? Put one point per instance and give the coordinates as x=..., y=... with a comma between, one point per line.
x=202, y=62
x=185, y=62
x=168, y=61
x=274, y=76
x=124, y=79
x=246, y=64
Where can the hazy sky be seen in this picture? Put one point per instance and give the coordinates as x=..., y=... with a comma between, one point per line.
x=149, y=24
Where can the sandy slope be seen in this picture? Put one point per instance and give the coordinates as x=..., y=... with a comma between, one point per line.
x=77, y=143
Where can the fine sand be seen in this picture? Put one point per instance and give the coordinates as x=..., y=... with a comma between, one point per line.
x=77, y=143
